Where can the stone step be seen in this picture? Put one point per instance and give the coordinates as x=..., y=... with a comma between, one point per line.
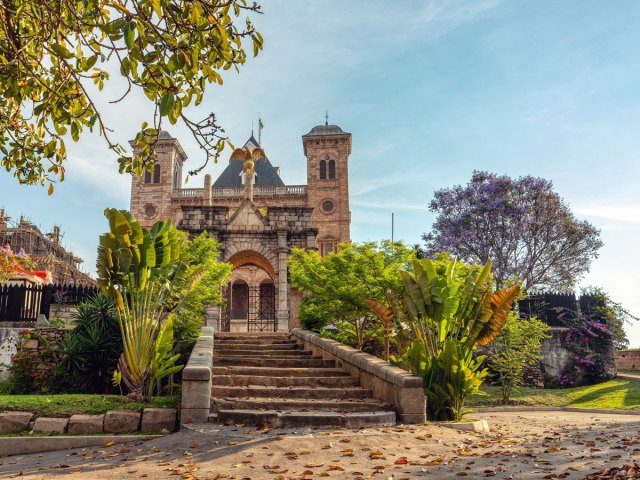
x=290, y=362
x=253, y=336
x=276, y=381
x=306, y=405
x=262, y=353
x=221, y=391
x=257, y=346
x=279, y=372
x=275, y=419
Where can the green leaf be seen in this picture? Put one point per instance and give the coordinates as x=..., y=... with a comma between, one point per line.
x=130, y=34
x=166, y=104
x=75, y=131
x=61, y=51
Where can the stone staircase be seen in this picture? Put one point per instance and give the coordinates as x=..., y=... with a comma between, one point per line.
x=267, y=379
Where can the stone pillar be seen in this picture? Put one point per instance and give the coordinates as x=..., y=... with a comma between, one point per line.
x=207, y=189
x=282, y=315
x=311, y=241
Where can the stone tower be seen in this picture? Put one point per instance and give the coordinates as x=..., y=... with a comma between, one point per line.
x=151, y=193
x=327, y=149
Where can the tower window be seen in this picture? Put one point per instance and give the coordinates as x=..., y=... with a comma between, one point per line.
x=332, y=169
x=156, y=173
x=323, y=169
x=147, y=176
x=327, y=246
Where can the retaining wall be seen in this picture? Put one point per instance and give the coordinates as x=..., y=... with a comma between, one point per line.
x=196, y=380
x=628, y=359
x=387, y=383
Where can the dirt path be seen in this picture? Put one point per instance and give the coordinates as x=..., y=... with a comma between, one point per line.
x=522, y=445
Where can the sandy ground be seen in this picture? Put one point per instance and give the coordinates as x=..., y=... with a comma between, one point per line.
x=521, y=445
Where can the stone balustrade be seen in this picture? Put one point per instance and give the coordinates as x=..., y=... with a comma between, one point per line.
x=387, y=383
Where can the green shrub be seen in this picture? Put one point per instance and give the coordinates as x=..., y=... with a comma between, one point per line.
x=91, y=350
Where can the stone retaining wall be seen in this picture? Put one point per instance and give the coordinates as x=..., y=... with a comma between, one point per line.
x=628, y=359
x=63, y=312
x=196, y=380
x=387, y=383
x=150, y=420
x=9, y=338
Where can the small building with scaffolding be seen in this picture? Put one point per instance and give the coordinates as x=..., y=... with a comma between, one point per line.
x=44, y=249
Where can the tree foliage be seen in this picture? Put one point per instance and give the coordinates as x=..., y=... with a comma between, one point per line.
x=518, y=346
x=336, y=286
x=521, y=225
x=193, y=300
x=56, y=57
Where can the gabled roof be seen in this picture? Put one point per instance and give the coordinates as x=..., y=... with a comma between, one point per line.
x=266, y=174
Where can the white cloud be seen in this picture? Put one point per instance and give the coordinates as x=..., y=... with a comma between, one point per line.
x=620, y=213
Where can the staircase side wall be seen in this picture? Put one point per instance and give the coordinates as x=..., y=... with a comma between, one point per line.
x=387, y=383
x=196, y=380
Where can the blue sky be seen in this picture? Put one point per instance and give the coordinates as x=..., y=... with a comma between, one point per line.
x=430, y=90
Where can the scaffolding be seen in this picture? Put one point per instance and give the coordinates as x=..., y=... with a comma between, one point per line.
x=44, y=249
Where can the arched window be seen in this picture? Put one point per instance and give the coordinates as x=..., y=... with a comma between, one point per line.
x=323, y=169
x=328, y=245
x=156, y=173
x=332, y=169
x=147, y=176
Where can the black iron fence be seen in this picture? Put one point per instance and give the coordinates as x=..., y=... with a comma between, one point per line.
x=551, y=307
x=23, y=303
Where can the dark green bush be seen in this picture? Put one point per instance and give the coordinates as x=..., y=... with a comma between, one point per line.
x=91, y=350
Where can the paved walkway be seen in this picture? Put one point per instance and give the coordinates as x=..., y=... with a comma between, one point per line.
x=545, y=445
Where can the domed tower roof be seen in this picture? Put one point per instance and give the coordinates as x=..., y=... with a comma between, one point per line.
x=325, y=129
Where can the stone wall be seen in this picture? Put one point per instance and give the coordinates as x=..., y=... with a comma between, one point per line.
x=9, y=338
x=556, y=357
x=628, y=359
x=64, y=313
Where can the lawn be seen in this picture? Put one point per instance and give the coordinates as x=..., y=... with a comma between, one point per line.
x=71, y=404
x=616, y=394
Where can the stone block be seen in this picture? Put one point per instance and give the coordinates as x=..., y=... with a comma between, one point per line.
x=12, y=422
x=84, y=424
x=121, y=421
x=158, y=420
x=50, y=425
x=30, y=344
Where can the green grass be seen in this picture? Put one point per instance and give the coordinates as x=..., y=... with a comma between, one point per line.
x=630, y=372
x=64, y=405
x=616, y=394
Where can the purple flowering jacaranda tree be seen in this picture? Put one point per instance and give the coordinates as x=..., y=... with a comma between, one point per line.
x=521, y=225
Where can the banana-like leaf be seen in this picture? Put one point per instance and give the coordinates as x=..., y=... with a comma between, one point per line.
x=414, y=292
x=383, y=312
x=495, y=313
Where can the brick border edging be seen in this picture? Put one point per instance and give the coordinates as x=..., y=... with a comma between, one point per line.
x=387, y=383
x=196, y=380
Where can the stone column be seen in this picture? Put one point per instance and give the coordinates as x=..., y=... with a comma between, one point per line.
x=207, y=189
x=282, y=315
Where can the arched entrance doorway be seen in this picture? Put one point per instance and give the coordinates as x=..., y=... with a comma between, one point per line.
x=251, y=295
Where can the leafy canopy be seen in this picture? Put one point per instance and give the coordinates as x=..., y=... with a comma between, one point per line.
x=521, y=225
x=336, y=286
x=55, y=58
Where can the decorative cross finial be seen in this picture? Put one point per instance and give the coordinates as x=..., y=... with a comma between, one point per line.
x=326, y=117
